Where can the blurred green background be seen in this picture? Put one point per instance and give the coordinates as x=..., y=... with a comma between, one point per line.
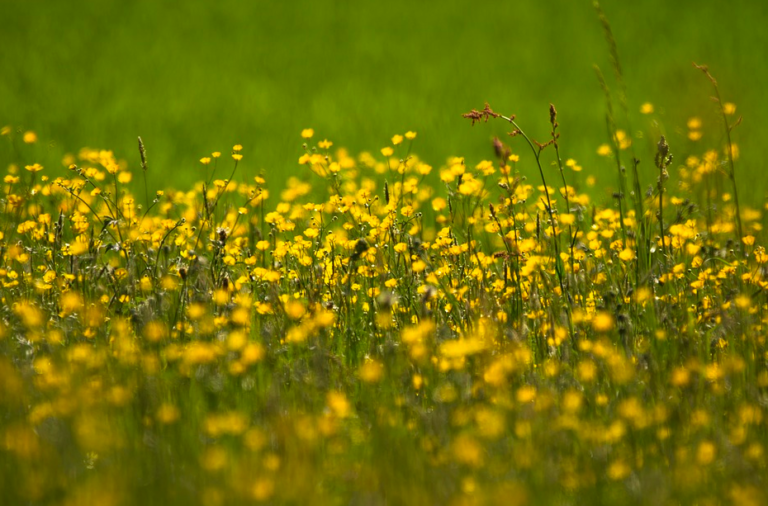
x=194, y=77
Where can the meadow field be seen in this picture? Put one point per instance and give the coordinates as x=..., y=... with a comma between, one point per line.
x=99, y=73
x=383, y=254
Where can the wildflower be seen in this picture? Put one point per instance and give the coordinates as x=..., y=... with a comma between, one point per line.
x=338, y=404
x=29, y=137
x=573, y=165
x=604, y=150
x=34, y=168
x=467, y=450
x=618, y=470
x=371, y=371
x=295, y=309
x=263, y=488
x=622, y=139
x=627, y=254
x=602, y=322
x=462, y=347
x=168, y=414
x=397, y=139
x=646, y=108
x=706, y=453
x=307, y=133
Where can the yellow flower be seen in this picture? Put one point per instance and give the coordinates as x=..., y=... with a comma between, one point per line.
x=307, y=133
x=467, y=451
x=397, y=139
x=34, y=168
x=706, y=453
x=646, y=108
x=295, y=309
x=410, y=135
x=602, y=322
x=237, y=147
x=205, y=160
x=371, y=371
x=729, y=108
x=30, y=137
x=526, y=394
x=622, y=139
x=604, y=150
x=387, y=151
x=167, y=414
x=618, y=470
x=324, y=144
x=462, y=347
x=339, y=404
x=627, y=254
x=694, y=123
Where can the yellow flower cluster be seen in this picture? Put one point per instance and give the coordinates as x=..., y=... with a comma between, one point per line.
x=384, y=331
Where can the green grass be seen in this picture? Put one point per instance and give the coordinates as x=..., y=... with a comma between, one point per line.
x=192, y=78
x=452, y=336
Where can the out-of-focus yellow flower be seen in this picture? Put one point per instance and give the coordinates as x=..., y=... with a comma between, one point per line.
x=168, y=413
x=371, y=371
x=602, y=322
x=338, y=404
x=627, y=254
x=295, y=309
x=36, y=167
